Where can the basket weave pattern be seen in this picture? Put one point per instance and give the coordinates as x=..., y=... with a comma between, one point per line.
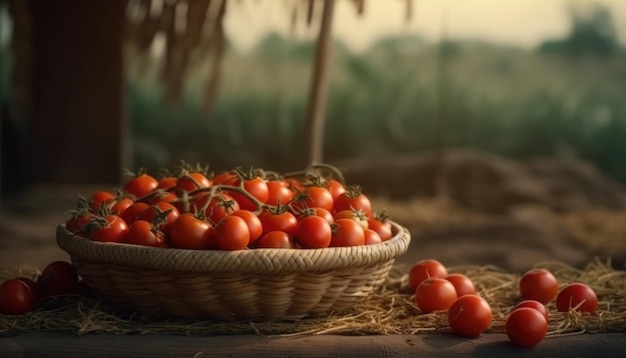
x=233, y=285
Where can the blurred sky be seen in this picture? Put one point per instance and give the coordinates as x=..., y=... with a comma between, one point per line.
x=524, y=23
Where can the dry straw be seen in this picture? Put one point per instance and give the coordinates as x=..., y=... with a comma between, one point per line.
x=388, y=311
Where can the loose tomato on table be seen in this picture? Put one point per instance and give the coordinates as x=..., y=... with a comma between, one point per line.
x=470, y=315
x=58, y=278
x=533, y=304
x=462, y=284
x=577, y=296
x=18, y=296
x=424, y=269
x=435, y=294
x=538, y=284
x=526, y=327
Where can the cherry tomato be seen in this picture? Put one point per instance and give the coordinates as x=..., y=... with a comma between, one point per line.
x=424, y=269
x=469, y=316
x=120, y=205
x=218, y=207
x=347, y=232
x=58, y=278
x=142, y=232
x=435, y=294
x=334, y=187
x=313, y=232
x=162, y=215
x=462, y=284
x=110, y=228
x=278, y=193
x=355, y=200
x=315, y=196
x=17, y=296
x=253, y=222
x=577, y=296
x=353, y=215
x=371, y=237
x=161, y=195
x=382, y=226
x=539, y=285
x=78, y=224
x=132, y=212
x=526, y=327
x=231, y=233
x=167, y=182
x=140, y=185
x=190, y=232
x=100, y=198
x=281, y=221
x=533, y=304
x=321, y=212
x=256, y=187
x=276, y=240
x=192, y=181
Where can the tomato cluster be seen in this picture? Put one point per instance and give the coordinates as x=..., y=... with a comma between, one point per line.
x=233, y=210
x=19, y=295
x=469, y=315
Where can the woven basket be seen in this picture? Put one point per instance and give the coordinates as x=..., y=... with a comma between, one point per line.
x=253, y=284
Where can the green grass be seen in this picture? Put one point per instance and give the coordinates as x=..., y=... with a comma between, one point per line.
x=395, y=98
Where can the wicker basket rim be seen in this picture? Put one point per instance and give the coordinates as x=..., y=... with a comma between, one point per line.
x=257, y=261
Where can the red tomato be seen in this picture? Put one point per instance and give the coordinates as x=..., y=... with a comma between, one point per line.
x=435, y=294
x=357, y=216
x=100, y=199
x=256, y=187
x=577, y=296
x=313, y=232
x=276, y=240
x=161, y=195
x=120, y=205
x=142, y=232
x=526, y=327
x=381, y=226
x=17, y=296
x=539, y=285
x=132, y=212
x=321, y=212
x=190, y=232
x=58, y=278
x=315, y=196
x=424, y=269
x=167, y=182
x=282, y=221
x=355, y=200
x=469, y=316
x=78, y=224
x=140, y=185
x=218, y=207
x=533, y=304
x=231, y=233
x=462, y=284
x=347, y=232
x=192, y=181
x=253, y=222
x=162, y=215
x=278, y=193
x=110, y=228
x=372, y=237
x=334, y=187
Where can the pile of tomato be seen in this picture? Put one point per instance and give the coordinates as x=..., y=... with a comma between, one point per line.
x=233, y=210
x=469, y=314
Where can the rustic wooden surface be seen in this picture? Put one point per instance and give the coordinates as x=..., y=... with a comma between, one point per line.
x=426, y=345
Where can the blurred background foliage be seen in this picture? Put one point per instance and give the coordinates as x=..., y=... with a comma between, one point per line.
x=402, y=95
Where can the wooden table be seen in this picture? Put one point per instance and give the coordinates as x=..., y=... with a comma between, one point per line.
x=54, y=344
